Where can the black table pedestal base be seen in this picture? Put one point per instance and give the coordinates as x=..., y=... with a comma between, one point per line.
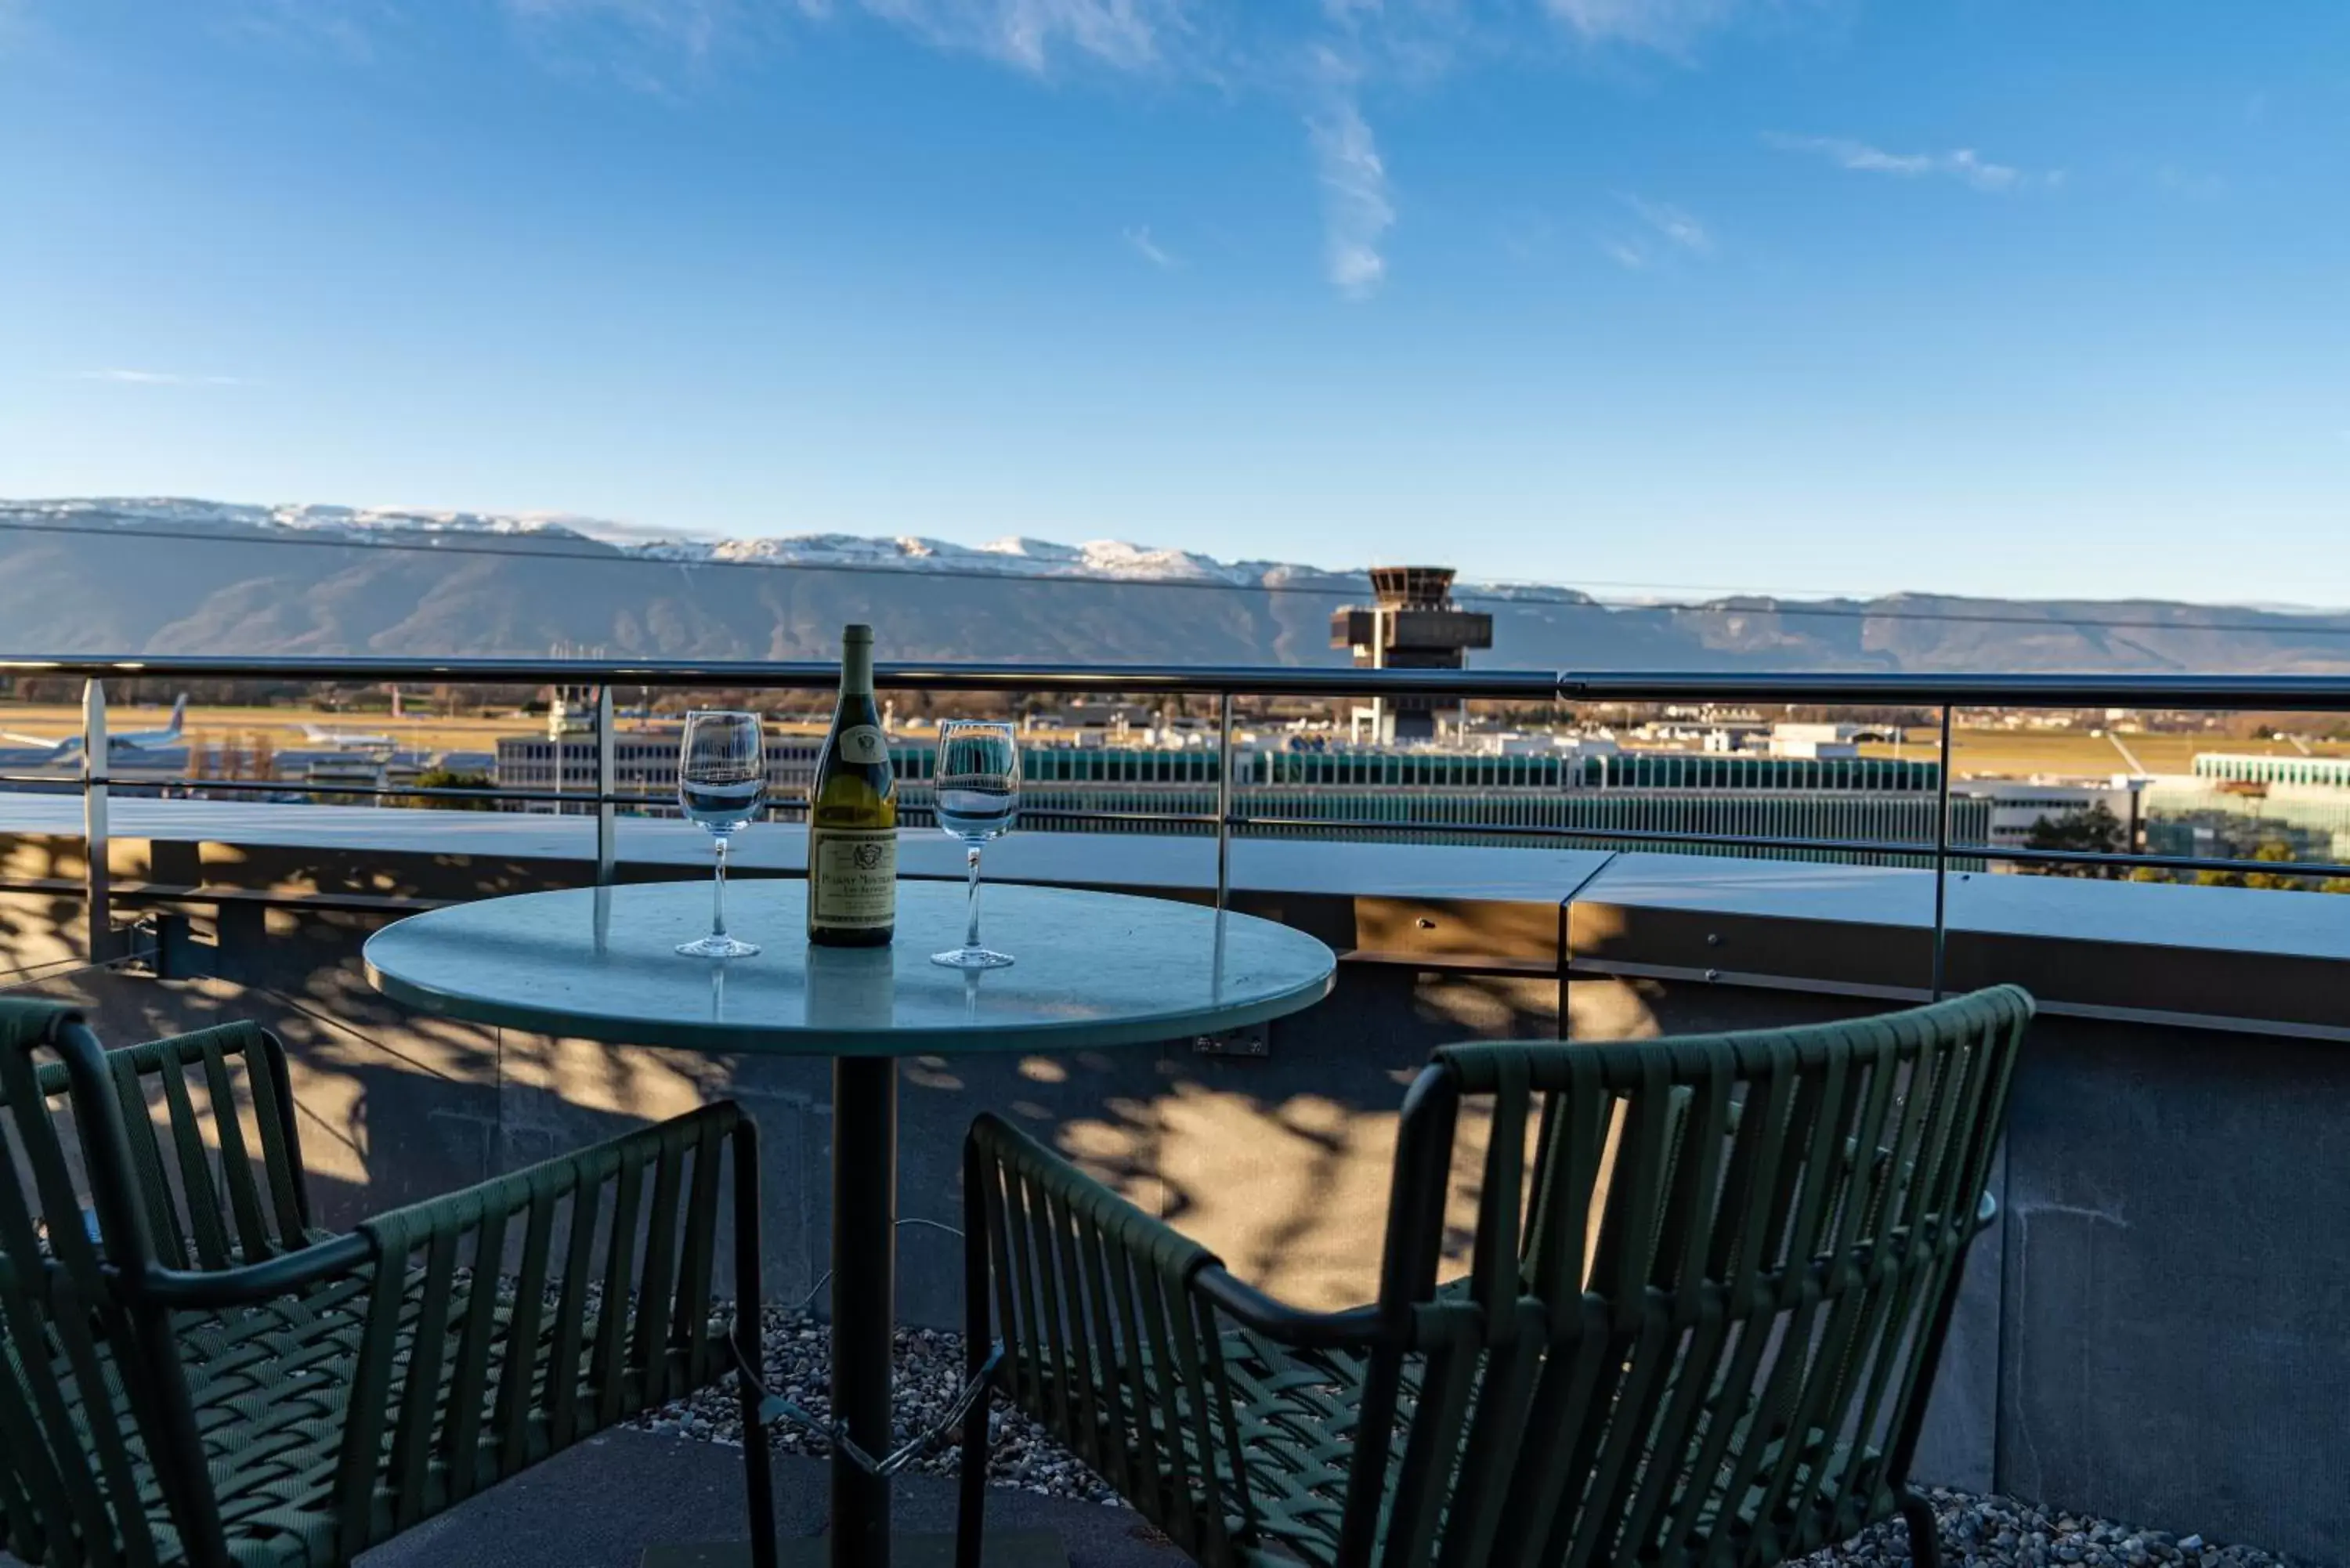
x=915, y=1549
x=864, y=1297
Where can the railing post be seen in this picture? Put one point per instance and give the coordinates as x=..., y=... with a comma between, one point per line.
x=98, y=893
x=607, y=808
x=1224, y=800
x=1941, y=851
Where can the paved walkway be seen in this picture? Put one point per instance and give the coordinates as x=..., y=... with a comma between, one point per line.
x=601, y=1504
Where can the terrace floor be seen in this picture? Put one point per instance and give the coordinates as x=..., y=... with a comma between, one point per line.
x=602, y=1504
x=599, y=1505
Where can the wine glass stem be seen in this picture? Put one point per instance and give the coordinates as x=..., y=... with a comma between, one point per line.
x=718, y=893
x=970, y=933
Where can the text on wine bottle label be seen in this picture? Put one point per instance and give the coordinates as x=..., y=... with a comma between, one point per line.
x=853, y=876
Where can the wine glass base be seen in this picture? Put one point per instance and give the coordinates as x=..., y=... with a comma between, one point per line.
x=718, y=946
x=971, y=958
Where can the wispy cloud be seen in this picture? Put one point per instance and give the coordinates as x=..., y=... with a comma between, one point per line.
x=343, y=29
x=1129, y=35
x=1357, y=210
x=1677, y=227
x=1667, y=25
x=157, y=379
x=1961, y=163
x=651, y=47
x=1029, y=34
x=1138, y=240
x=1327, y=60
x=1669, y=232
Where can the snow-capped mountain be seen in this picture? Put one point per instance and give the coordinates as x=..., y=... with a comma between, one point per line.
x=360, y=522
x=1012, y=556
x=167, y=576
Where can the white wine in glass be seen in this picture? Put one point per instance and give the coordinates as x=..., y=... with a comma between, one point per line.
x=978, y=783
x=722, y=774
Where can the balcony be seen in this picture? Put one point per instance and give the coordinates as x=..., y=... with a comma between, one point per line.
x=2154, y=1332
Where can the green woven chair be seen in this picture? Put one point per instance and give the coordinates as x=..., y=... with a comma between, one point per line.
x=1710, y=1283
x=190, y=1373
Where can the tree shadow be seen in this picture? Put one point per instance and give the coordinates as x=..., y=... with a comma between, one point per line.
x=1279, y=1163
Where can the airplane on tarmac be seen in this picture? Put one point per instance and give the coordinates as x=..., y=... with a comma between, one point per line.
x=135, y=740
x=347, y=740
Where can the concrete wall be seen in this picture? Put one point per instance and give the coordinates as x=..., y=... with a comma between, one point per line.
x=2158, y=1330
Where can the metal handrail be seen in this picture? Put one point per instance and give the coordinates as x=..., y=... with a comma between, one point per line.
x=2289, y=693
x=800, y=675
x=1944, y=693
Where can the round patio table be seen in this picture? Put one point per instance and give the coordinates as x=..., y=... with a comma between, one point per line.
x=1092, y=969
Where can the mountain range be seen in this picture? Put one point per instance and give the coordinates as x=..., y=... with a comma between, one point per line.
x=172, y=576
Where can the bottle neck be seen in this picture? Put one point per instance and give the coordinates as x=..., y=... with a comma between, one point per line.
x=856, y=670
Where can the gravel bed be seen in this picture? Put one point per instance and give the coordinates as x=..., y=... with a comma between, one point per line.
x=1977, y=1532
x=1999, y=1531
x=929, y=1374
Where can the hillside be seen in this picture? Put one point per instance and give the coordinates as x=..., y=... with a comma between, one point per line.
x=193, y=576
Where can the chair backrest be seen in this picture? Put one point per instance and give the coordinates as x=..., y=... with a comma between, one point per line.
x=1710, y=1281
x=202, y=1194
x=67, y=1490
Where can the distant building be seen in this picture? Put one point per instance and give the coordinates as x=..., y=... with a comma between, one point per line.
x=1804, y=746
x=1585, y=789
x=644, y=763
x=1415, y=625
x=2019, y=806
x=2233, y=804
x=571, y=705
x=1822, y=735
x=1516, y=744
x=1812, y=739
x=2241, y=769
x=570, y=710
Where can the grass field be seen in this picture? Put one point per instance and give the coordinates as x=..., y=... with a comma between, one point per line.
x=2076, y=754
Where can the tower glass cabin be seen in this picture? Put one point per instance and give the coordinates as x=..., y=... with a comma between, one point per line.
x=1413, y=625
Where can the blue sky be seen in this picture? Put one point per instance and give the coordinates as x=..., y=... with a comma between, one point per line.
x=1984, y=295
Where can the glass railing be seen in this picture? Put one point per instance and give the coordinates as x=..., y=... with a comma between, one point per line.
x=2232, y=780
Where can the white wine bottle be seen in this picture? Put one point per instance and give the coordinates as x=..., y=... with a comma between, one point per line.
x=853, y=815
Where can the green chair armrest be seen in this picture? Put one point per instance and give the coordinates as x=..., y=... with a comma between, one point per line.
x=1050, y=1181
x=1357, y=1328
x=1108, y=1340
x=288, y=1273
x=403, y=1229
x=452, y=1366
x=1152, y=1242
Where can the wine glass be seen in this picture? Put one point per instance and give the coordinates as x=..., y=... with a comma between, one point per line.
x=720, y=777
x=978, y=783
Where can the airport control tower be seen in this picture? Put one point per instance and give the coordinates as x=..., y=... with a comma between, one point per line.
x=1415, y=625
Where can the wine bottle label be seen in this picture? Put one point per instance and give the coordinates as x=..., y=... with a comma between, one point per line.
x=853, y=876
x=862, y=744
